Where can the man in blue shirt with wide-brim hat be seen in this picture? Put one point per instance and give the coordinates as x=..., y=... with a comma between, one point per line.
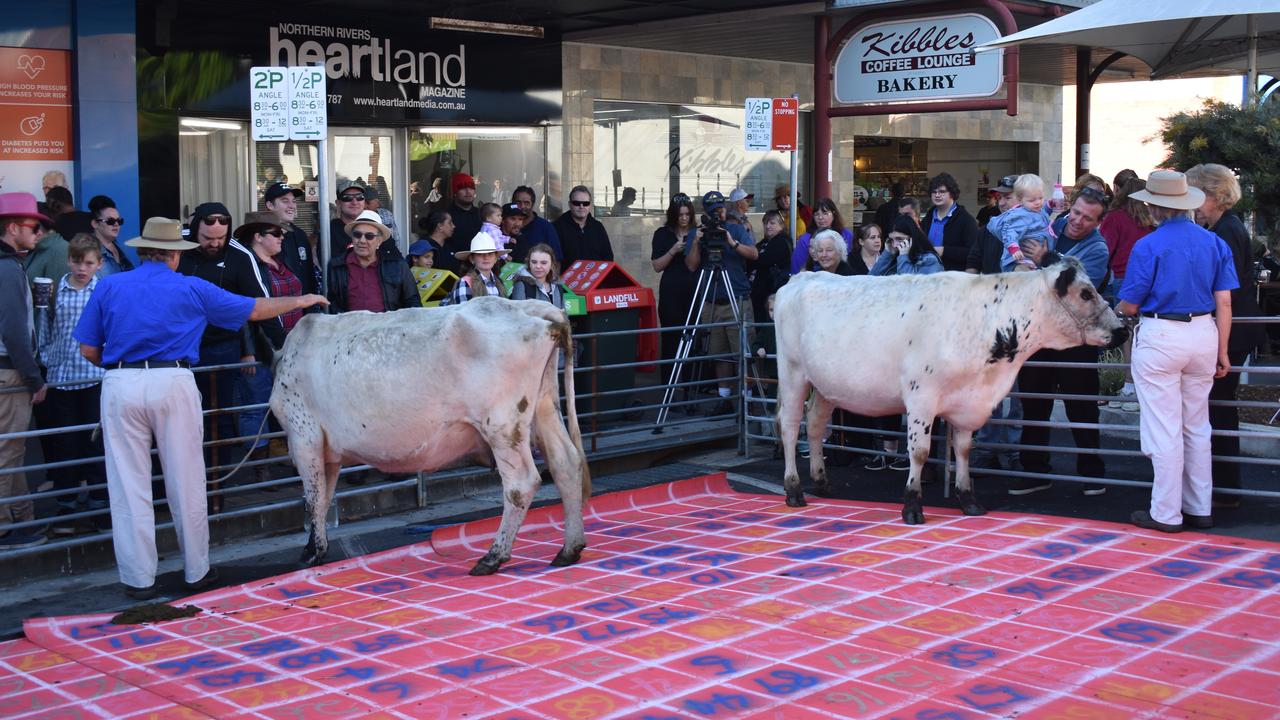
x=144, y=328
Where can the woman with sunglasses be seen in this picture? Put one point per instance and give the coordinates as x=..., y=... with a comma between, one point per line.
x=826, y=216
x=675, y=289
x=106, y=225
x=263, y=234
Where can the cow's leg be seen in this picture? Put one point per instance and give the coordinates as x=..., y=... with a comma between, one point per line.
x=918, y=441
x=820, y=409
x=519, y=482
x=567, y=467
x=962, y=441
x=792, y=391
x=319, y=479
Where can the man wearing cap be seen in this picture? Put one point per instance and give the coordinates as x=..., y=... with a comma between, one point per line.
x=738, y=207
x=582, y=237
x=350, y=205
x=463, y=211
x=513, y=217
x=144, y=327
x=295, y=250
x=21, y=384
x=536, y=229
x=219, y=259
x=372, y=275
x=1179, y=280
x=1075, y=235
x=984, y=255
x=739, y=247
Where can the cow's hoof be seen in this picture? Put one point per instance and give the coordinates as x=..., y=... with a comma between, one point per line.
x=484, y=567
x=564, y=558
x=969, y=504
x=796, y=499
x=913, y=516
x=823, y=491
x=311, y=558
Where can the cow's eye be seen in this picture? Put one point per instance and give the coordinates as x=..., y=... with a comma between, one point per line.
x=1086, y=295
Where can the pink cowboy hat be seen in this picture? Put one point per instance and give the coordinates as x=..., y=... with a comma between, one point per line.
x=20, y=204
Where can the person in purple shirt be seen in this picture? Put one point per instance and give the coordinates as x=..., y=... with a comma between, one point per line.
x=144, y=327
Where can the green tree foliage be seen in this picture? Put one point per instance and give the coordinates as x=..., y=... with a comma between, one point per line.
x=1245, y=139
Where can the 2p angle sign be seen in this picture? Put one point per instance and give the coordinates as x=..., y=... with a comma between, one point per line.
x=288, y=103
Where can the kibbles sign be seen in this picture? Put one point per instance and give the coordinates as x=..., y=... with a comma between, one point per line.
x=929, y=58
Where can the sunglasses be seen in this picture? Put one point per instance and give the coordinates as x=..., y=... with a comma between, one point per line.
x=273, y=233
x=357, y=235
x=111, y=221
x=32, y=226
x=580, y=203
x=1092, y=194
x=353, y=197
x=217, y=220
x=681, y=199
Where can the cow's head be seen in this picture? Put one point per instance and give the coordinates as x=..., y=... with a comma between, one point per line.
x=1083, y=315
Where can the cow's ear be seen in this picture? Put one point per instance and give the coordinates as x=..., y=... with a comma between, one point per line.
x=1065, y=279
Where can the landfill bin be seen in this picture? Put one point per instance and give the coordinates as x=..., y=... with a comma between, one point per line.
x=434, y=284
x=614, y=302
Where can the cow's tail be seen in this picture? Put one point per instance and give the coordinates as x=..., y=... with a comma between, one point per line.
x=571, y=406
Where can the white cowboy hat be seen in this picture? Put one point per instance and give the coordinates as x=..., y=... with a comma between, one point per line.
x=369, y=217
x=161, y=234
x=1169, y=188
x=481, y=243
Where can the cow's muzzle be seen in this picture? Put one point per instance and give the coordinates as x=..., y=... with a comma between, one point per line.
x=1118, y=337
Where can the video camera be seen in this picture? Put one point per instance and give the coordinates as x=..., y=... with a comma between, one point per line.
x=714, y=236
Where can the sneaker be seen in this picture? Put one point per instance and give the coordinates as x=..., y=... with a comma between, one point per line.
x=1026, y=486
x=803, y=447
x=900, y=464
x=1092, y=490
x=876, y=464
x=209, y=578
x=137, y=593
x=1129, y=406
x=17, y=541
x=1143, y=519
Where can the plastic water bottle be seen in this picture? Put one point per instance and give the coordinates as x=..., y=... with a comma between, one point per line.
x=1059, y=200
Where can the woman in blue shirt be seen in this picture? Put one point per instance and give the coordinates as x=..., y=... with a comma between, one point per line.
x=1179, y=280
x=908, y=251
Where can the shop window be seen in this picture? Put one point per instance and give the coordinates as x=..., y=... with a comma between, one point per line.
x=658, y=150
x=499, y=159
x=291, y=162
x=214, y=163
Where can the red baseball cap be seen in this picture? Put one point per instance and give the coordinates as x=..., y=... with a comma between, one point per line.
x=461, y=180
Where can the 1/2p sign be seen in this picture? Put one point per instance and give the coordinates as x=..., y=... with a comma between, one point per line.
x=771, y=124
x=269, y=103
x=308, y=103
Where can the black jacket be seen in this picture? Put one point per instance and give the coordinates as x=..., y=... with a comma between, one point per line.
x=466, y=223
x=768, y=272
x=1244, y=299
x=234, y=269
x=15, y=320
x=985, y=254
x=589, y=242
x=296, y=253
x=958, y=237
x=399, y=289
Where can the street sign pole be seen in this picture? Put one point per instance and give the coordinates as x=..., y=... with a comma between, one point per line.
x=322, y=209
x=795, y=177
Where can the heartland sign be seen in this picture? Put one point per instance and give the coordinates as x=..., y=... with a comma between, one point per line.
x=929, y=58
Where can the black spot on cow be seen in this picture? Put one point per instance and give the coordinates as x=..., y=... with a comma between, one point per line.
x=1065, y=278
x=522, y=405
x=1005, y=346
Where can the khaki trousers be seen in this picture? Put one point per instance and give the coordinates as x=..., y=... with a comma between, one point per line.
x=15, y=417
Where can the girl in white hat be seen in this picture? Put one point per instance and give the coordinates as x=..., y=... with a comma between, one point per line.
x=482, y=279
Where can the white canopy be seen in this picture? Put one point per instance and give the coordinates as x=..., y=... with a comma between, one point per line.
x=1172, y=36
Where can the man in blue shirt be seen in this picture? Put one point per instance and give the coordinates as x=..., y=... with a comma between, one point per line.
x=144, y=328
x=1179, y=279
x=1076, y=235
x=737, y=247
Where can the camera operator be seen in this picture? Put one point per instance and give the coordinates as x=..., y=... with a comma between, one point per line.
x=727, y=246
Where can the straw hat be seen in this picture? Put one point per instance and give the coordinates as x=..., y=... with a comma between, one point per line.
x=369, y=217
x=256, y=222
x=481, y=243
x=1169, y=188
x=162, y=233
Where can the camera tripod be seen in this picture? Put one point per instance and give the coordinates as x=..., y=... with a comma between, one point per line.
x=712, y=280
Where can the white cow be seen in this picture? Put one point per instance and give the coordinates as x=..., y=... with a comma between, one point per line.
x=423, y=389
x=946, y=345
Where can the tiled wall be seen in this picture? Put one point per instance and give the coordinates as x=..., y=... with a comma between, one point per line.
x=594, y=72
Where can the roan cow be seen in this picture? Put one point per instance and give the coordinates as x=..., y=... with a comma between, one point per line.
x=355, y=388
x=946, y=345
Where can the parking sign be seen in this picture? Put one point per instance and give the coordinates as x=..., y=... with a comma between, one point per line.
x=269, y=103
